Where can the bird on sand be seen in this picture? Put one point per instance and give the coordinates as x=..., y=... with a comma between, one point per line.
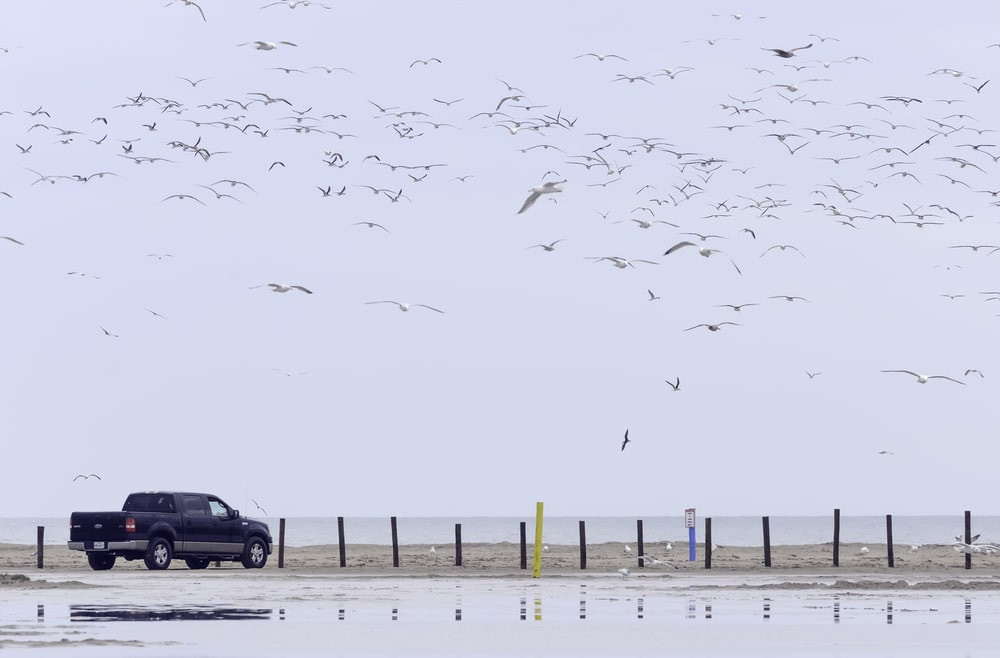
x=405, y=307
x=787, y=53
x=648, y=559
x=281, y=287
x=628, y=549
x=550, y=187
x=923, y=379
x=624, y=572
x=626, y=441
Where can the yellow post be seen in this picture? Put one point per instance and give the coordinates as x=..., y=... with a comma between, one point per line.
x=536, y=568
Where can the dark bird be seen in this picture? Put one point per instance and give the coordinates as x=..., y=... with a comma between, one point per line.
x=676, y=387
x=786, y=53
x=626, y=441
x=86, y=477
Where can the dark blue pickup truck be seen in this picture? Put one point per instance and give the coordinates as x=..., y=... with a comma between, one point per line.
x=157, y=526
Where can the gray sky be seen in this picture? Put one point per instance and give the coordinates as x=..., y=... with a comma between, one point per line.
x=522, y=389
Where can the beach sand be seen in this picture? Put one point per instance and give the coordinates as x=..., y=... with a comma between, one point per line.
x=504, y=559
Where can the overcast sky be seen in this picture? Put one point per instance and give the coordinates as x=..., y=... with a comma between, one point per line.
x=179, y=372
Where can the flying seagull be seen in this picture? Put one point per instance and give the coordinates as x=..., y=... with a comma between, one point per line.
x=258, y=506
x=922, y=379
x=676, y=387
x=94, y=475
x=786, y=53
x=626, y=441
x=546, y=188
x=280, y=287
x=405, y=307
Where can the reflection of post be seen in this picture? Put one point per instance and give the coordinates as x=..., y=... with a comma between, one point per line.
x=968, y=611
x=888, y=611
x=538, y=606
x=536, y=569
x=41, y=546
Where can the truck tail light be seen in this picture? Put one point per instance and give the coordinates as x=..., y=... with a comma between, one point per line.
x=129, y=524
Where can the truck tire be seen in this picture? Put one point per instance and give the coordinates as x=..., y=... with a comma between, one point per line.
x=158, y=554
x=197, y=562
x=254, y=553
x=101, y=561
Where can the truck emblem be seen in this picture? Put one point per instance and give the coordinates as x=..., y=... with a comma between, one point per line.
x=98, y=525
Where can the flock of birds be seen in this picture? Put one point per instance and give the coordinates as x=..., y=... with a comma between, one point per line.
x=890, y=161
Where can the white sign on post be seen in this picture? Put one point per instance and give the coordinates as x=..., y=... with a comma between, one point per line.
x=689, y=517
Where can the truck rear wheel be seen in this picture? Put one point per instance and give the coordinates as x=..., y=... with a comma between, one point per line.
x=197, y=562
x=158, y=554
x=101, y=561
x=254, y=553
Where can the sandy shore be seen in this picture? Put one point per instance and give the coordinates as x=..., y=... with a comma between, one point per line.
x=504, y=559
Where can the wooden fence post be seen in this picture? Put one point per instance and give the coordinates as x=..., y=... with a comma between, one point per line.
x=766, y=521
x=836, y=537
x=281, y=543
x=583, y=544
x=340, y=541
x=708, y=542
x=524, y=545
x=888, y=540
x=395, y=542
x=40, y=548
x=968, y=538
x=639, y=543
x=458, y=544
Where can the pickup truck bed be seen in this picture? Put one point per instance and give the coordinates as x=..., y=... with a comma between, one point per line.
x=159, y=526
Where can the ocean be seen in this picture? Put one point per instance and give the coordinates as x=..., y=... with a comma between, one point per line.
x=726, y=530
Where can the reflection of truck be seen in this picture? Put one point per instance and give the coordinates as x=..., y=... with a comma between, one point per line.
x=159, y=526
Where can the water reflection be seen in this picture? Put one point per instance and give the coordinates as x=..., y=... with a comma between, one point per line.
x=647, y=608
x=164, y=613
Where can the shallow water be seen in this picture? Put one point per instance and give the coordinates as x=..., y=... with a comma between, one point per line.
x=179, y=613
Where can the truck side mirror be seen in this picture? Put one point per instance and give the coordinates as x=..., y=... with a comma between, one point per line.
x=234, y=513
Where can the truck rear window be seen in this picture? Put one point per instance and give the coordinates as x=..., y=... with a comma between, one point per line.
x=149, y=502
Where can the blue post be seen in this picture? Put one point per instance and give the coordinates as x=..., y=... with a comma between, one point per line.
x=689, y=524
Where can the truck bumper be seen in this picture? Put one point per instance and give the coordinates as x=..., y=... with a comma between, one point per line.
x=107, y=546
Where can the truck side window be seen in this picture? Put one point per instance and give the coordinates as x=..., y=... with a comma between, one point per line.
x=218, y=508
x=194, y=506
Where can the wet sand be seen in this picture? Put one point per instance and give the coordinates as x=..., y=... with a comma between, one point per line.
x=504, y=559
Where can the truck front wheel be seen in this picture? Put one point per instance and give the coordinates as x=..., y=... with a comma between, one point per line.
x=158, y=554
x=197, y=562
x=254, y=553
x=101, y=561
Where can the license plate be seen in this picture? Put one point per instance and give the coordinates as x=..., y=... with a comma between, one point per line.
x=100, y=545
